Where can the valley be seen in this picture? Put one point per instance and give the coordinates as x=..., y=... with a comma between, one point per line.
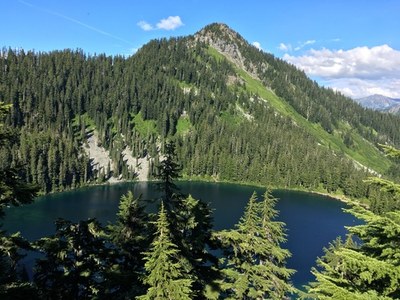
x=312, y=137
x=207, y=106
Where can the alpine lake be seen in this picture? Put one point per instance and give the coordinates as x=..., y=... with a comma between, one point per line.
x=312, y=220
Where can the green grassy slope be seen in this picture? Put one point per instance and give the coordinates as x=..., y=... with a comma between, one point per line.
x=363, y=152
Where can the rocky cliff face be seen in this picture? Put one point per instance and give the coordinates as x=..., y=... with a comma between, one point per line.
x=229, y=43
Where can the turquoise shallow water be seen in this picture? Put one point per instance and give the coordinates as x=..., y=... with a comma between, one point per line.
x=312, y=220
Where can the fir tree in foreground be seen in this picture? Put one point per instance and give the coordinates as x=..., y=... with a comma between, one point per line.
x=370, y=270
x=13, y=281
x=190, y=226
x=131, y=234
x=77, y=262
x=253, y=264
x=166, y=274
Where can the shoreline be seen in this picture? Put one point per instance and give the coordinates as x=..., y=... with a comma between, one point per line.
x=337, y=197
x=115, y=181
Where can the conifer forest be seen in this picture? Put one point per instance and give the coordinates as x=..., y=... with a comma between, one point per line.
x=211, y=107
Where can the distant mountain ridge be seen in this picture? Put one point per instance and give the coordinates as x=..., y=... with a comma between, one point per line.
x=380, y=103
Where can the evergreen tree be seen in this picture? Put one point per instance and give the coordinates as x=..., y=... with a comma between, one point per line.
x=370, y=270
x=191, y=225
x=131, y=234
x=253, y=262
x=77, y=262
x=13, y=188
x=274, y=257
x=168, y=171
x=13, y=282
x=166, y=271
x=192, y=233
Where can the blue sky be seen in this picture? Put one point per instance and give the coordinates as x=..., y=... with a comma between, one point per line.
x=350, y=45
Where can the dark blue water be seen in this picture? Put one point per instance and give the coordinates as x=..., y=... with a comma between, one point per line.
x=312, y=221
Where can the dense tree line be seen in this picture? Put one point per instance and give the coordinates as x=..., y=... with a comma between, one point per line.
x=58, y=98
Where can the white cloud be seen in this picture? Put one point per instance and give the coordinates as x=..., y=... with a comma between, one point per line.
x=358, y=88
x=356, y=72
x=306, y=43
x=170, y=23
x=145, y=26
x=309, y=42
x=285, y=47
x=257, y=45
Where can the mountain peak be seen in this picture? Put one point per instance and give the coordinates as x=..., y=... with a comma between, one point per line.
x=378, y=97
x=380, y=102
x=219, y=31
x=229, y=43
x=217, y=26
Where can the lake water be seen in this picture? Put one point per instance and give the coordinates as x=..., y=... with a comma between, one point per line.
x=312, y=221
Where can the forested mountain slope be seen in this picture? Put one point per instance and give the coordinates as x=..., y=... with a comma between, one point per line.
x=345, y=125
x=236, y=114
